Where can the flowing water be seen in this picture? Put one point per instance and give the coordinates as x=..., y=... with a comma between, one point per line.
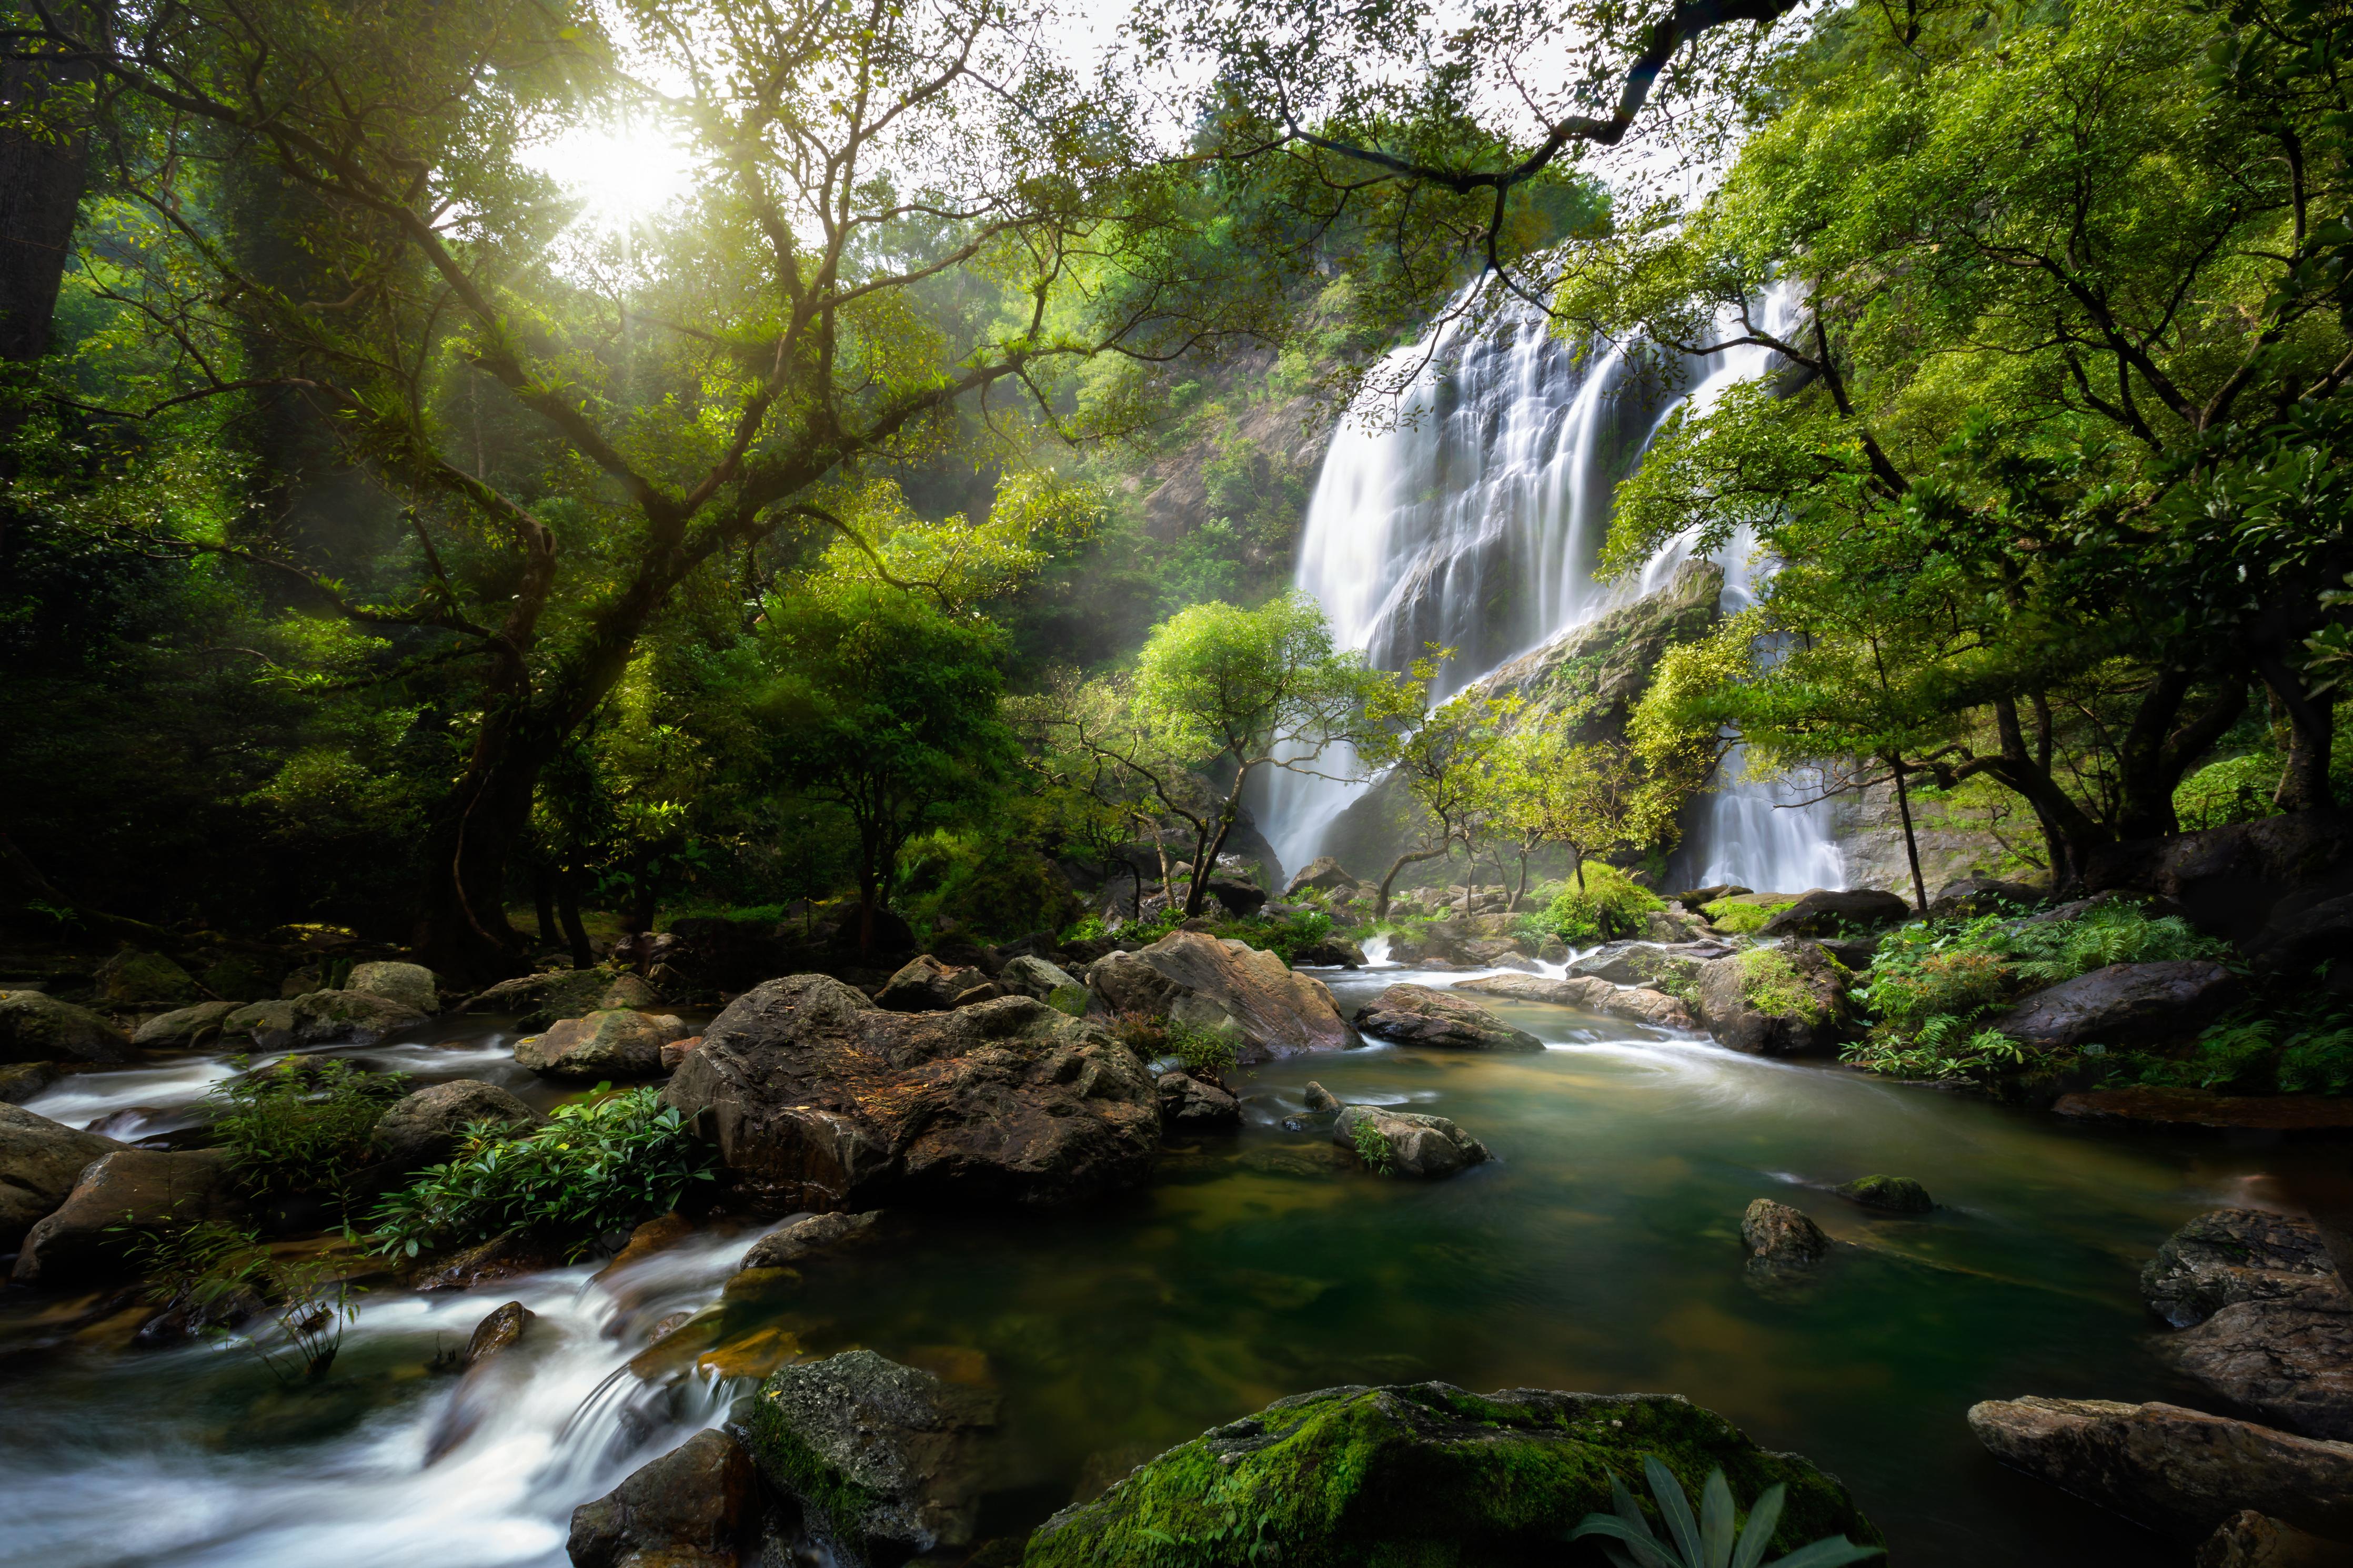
x=1599, y=1251
x=1470, y=510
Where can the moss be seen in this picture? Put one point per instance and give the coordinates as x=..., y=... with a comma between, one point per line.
x=1732, y=916
x=1897, y=1194
x=1420, y=1477
x=1070, y=999
x=792, y=1466
x=1769, y=983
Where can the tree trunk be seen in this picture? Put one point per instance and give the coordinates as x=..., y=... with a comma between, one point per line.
x=2156, y=752
x=2072, y=834
x=1911, y=841
x=2311, y=725
x=477, y=831
x=41, y=184
x=543, y=895
x=1411, y=856
x=567, y=904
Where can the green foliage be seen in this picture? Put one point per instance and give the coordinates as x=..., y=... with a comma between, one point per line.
x=1738, y=918
x=2300, y=1046
x=300, y=1124
x=2049, y=952
x=1944, y=1048
x=597, y=1167
x=2236, y=789
x=1609, y=905
x=213, y=1270
x=1372, y=1147
x=1207, y=1054
x=1714, y=1539
x=1286, y=938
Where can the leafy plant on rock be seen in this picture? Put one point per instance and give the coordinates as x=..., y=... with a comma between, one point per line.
x=300, y=1124
x=597, y=1167
x=1714, y=1539
x=1373, y=1148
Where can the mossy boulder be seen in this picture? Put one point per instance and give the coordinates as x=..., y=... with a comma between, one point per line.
x=136, y=979
x=1890, y=1194
x=38, y=1027
x=184, y=1026
x=1783, y=1001
x=410, y=984
x=1427, y=1476
x=540, y=1000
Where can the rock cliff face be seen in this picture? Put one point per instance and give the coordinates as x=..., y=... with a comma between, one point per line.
x=1585, y=682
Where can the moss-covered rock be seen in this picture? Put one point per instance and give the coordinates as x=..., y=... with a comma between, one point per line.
x=540, y=1000
x=38, y=1027
x=1894, y=1194
x=1783, y=1001
x=1426, y=1476
x=136, y=979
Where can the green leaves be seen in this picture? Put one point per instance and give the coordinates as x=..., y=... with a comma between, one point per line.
x=1711, y=1540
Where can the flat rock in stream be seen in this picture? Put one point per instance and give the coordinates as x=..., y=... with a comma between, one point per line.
x=182, y=1026
x=1406, y=1142
x=2289, y=1360
x=2251, y=1540
x=1413, y=1015
x=2314, y=1114
x=1638, y=1005
x=2228, y=1256
x=2184, y=1472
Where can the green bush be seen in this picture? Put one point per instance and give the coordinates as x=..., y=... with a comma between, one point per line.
x=300, y=1124
x=1736, y=919
x=2245, y=1054
x=1942, y=1048
x=2114, y=933
x=1205, y=1053
x=1373, y=1148
x=1609, y=905
x=595, y=1167
x=1961, y=981
x=1287, y=938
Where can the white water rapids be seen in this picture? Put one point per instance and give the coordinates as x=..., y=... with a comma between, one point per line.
x=1471, y=512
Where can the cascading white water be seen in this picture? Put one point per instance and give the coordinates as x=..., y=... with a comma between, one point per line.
x=1470, y=513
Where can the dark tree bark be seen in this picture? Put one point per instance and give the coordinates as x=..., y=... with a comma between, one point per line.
x=543, y=894
x=2157, y=750
x=42, y=178
x=567, y=904
x=1411, y=856
x=2312, y=728
x=1910, y=839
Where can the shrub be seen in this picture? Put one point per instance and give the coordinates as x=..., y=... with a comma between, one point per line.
x=595, y=1167
x=1769, y=983
x=1286, y=938
x=2114, y=933
x=300, y=1124
x=1205, y=1053
x=1943, y=1048
x=1373, y=1148
x=1960, y=982
x=1736, y=919
x=1609, y=905
x=2236, y=789
x=1716, y=1538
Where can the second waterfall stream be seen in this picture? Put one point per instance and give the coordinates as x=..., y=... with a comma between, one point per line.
x=1469, y=510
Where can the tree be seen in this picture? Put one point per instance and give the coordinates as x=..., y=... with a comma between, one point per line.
x=2062, y=308
x=674, y=401
x=1442, y=758
x=887, y=706
x=1594, y=799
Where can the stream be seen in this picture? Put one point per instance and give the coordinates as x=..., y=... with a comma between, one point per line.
x=1599, y=1251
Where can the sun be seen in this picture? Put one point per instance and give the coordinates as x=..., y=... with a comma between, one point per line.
x=622, y=175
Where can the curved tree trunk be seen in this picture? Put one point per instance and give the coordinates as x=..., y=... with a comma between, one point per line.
x=1411, y=856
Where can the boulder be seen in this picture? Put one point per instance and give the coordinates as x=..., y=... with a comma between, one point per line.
x=1324, y=874
x=808, y=1236
x=19, y=1081
x=184, y=1026
x=40, y=1160
x=819, y=1098
x=136, y=979
x=698, y=1506
x=1419, y=1016
x=1424, y=1474
x=1982, y=896
x=2251, y=1540
x=2123, y=1005
x=500, y=1332
x=1779, y=1237
x=1635, y=962
x=1189, y=1105
x=271, y=1025
x=885, y=1460
x=2179, y=1471
x=616, y=1044
x=1251, y=997
x=2299, y=936
x=322, y=1017
x=1638, y=1005
x=1552, y=950
x=2289, y=1360
x=1890, y=1194
x=674, y=1053
x=1785, y=1001
x=426, y=1127
x=37, y=1027
x=1406, y=1142
x=1322, y=1101
x=1028, y=974
x=925, y=985
x=539, y=1000
x=1821, y=912
x=2235, y=880
x=2228, y=1256
x=142, y=1189
x=1240, y=899
x=410, y=984
x=1693, y=898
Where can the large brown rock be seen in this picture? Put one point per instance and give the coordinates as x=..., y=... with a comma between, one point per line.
x=2228, y=1256
x=2180, y=1472
x=40, y=1160
x=184, y=1026
x=37, y=1027
x=425, y=1128
x=362, y=1017
x=1785, y=1001
x=1636, y=1003
x=925, y=985
x=2289, y=1360
x=539, y=1000
x=1418, y=1016
x=698, y=1506
x=1189, y=1105
x=145, y=1190
x=1265, y=1007
x=619, y=1042
x=410, y=984
x=2251, y=1540
x=1824, y=912
x=808, y=1236
x=819, y=1098
x=1779, y=1237
x=2123, y=1005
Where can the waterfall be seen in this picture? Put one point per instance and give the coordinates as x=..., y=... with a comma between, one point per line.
x=1469, y=512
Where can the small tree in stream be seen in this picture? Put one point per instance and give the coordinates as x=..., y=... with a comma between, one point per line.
x=1444, y=763
x=1591, y=799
